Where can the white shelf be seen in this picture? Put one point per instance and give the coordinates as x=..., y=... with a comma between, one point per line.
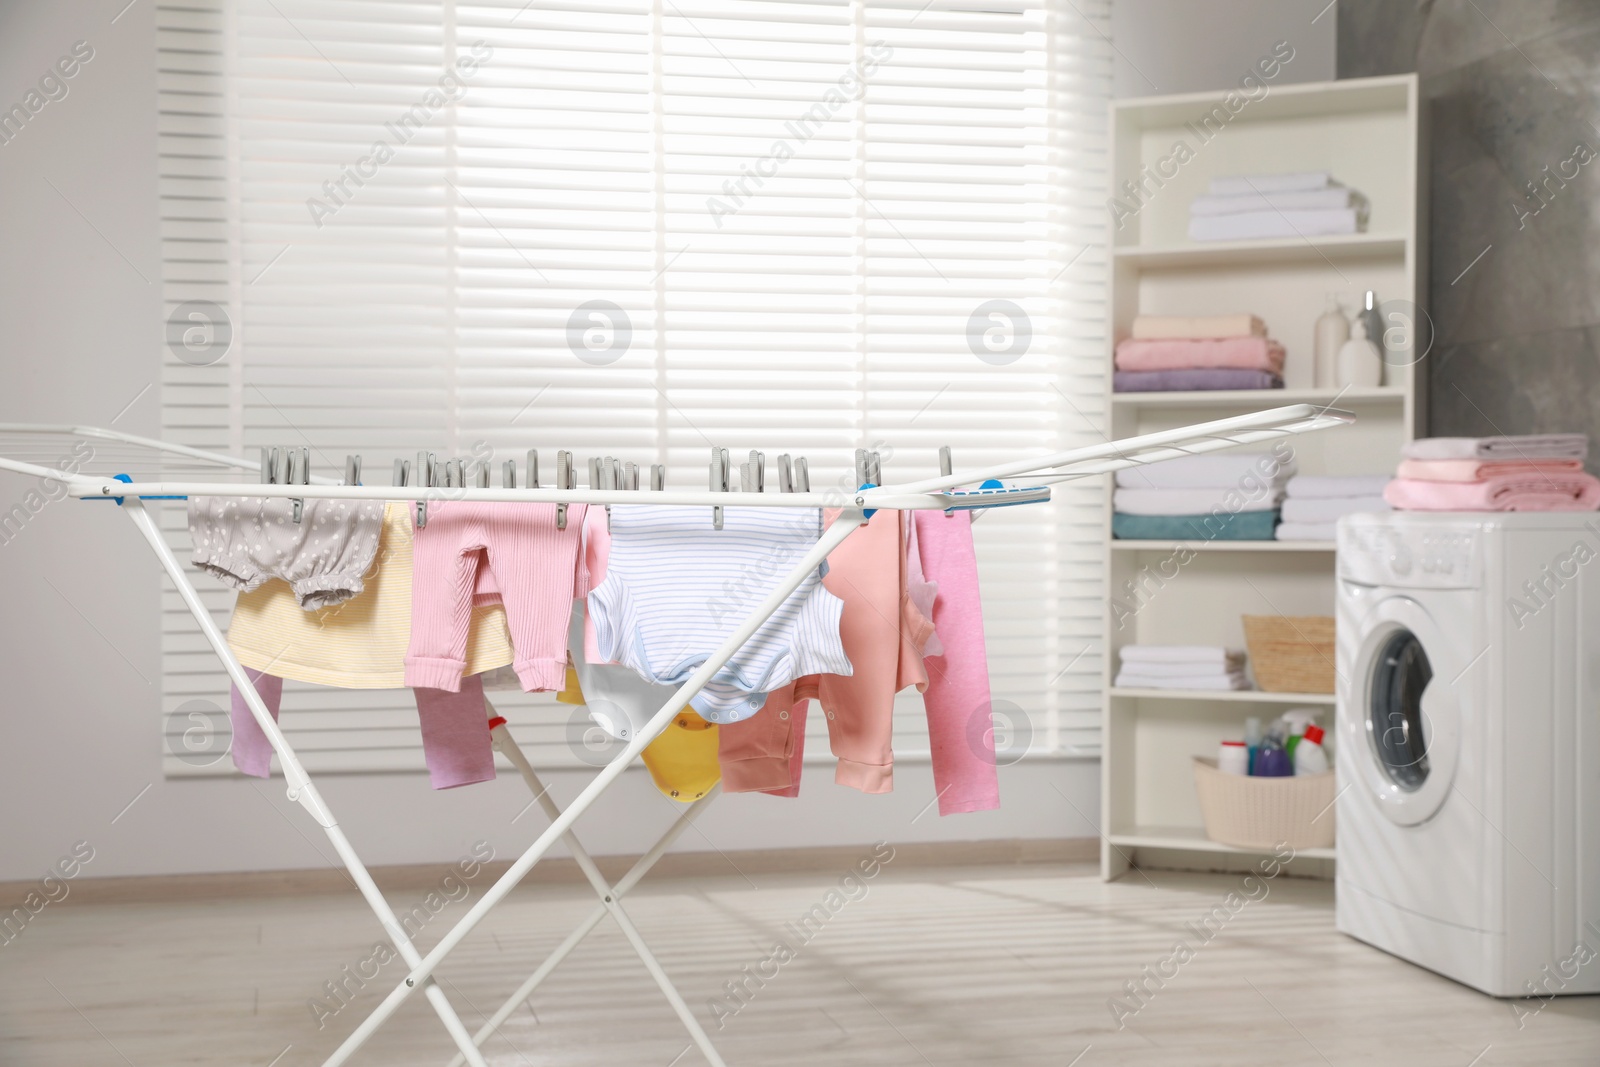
x=1262, y=399
x=1222, y=546
x=1250, y=696
x=1194, y=839
x=1272, y=250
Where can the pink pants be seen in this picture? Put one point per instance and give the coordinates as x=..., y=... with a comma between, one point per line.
x=533, y=565
x=455, y=732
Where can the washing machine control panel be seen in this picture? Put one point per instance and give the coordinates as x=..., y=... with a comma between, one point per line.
x=1385, y=550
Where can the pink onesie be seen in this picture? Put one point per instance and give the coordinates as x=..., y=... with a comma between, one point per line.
x=884, y=635
x=533, y=565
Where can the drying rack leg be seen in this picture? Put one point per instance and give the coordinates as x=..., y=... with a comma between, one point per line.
x=610, y=903
x=299, y=783
x=847, y=523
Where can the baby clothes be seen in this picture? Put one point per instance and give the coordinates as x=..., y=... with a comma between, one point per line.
x=676, y=588
x=243, y=541
x=455, y=732
x=533, y=564
x=360, y=644
x=884, y=635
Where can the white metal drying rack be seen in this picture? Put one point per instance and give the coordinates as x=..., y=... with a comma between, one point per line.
x=939, y=493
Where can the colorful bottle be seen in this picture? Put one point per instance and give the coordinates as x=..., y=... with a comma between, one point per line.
x=1309, y=755
x=1233, y=757
x=1273, y=759
x=1252, y=740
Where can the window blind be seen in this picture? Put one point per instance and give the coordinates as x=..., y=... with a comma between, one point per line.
x=645, y=228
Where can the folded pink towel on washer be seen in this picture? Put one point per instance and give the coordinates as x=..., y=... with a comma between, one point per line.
x=1476, y=470
x=1505, y=492
x=1233, y=353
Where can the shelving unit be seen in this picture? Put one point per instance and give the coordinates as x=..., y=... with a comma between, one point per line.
x=1368, y=133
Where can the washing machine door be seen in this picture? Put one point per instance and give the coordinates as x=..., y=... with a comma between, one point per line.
x=1403, y=728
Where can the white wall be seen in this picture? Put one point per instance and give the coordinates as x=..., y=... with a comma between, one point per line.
x=80, y=329
x=1184, y=46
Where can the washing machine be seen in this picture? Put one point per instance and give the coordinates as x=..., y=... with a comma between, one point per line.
x=1468, y=752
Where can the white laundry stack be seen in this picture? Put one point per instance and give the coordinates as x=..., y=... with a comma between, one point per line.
x=1315, y=503
x=1181, y=667
x=1254, y=206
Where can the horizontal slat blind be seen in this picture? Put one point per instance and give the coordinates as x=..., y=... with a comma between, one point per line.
x=644, y=228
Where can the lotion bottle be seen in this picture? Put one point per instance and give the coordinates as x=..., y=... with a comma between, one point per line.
x=1329, y=333
x=1360, y=362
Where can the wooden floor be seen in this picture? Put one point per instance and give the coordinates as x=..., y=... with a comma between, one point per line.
x=983, y=965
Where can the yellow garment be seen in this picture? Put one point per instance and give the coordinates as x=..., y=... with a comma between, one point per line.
x=683, y=761
x=360, y=644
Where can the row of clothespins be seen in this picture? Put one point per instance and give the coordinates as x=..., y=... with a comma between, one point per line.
x=292, y=466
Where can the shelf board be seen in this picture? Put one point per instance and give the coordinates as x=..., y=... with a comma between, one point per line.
x=1254, y=696
x=1222, y=546
x=1261, y=398
x=1195, y=839
x=1268, y=251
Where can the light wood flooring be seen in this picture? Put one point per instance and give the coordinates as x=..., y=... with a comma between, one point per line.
x=1009, y=965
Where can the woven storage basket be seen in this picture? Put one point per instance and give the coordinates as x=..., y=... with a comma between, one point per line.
x=1265, y=812
x=1291, y=654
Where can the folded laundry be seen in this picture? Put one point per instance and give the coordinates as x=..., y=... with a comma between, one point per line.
x=1307, y=531
x=1241, y=526
x=1475, y=470
x=1330, y=509
x=1251, y=225
x=1335, y=486
x=1128, y=680
x=1335, y=196
x=1245, y=184
x=1210, y=655
x=1218, y=470
x=1236, y=353
x=1198, y=380
x=1261, y=496
x=1524, y=447
x=1504, y=492
x=1160, y=669
x=1196, y=327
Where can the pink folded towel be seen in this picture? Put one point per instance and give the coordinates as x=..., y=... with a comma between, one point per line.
x=1505, y=492
x=1194, y=327
x=1476, y=470
x=1233, y=353
x=1523, y=447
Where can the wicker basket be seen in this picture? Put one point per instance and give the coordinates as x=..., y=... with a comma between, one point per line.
x=1265, y=812
x=1291, y=654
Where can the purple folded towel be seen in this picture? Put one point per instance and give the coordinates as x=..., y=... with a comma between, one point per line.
x=1203, y=378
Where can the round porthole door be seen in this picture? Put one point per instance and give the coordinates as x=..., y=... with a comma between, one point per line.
x=1401, y=718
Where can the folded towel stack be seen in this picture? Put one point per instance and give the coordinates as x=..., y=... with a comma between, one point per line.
x=1314, y=503
x=1174, y=353
x=1250, y=206
x=1224, y=496
x=1181, y=667
x=1534, y=472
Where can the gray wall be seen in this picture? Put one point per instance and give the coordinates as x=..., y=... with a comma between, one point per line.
x=80, y=333
x=1513, y=91
x=1185, y=46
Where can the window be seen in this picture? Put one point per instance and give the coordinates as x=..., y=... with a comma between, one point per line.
x=642, y=231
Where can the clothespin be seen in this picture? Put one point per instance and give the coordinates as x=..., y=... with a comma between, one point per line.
x=566, y=478
x=280, y=466
x=269, y=465
x=802, y=475
x=481, y=474
x=719, y=482
x=658, y=477
x=874, y=468
x=533, y=468
x=946, y=468
x=630, y=476
x=508, y=474
x=423, y=476
x=299, y=473
x=785, y=474
x=402, y=471
x=758, y=472
x=861, y=466
x=457, y=474
x=352, y=470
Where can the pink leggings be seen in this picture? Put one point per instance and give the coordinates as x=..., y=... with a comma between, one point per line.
x=533, y=565
x=455, y=732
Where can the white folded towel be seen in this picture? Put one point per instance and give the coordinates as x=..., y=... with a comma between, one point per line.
x=1216, y=470
x=1306, y=509
x=1181, y=670
x=1242, y=184
x=1304, y=200
x=1257, y=225
x=1195, y=327
x=1525, y=446
x=1260, y=496
x=1306, y=531
x=1331, y=486
x=1235, y=680
x=1203, y=655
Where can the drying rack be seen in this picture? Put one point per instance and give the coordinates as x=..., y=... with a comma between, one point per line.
x=197, y=473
